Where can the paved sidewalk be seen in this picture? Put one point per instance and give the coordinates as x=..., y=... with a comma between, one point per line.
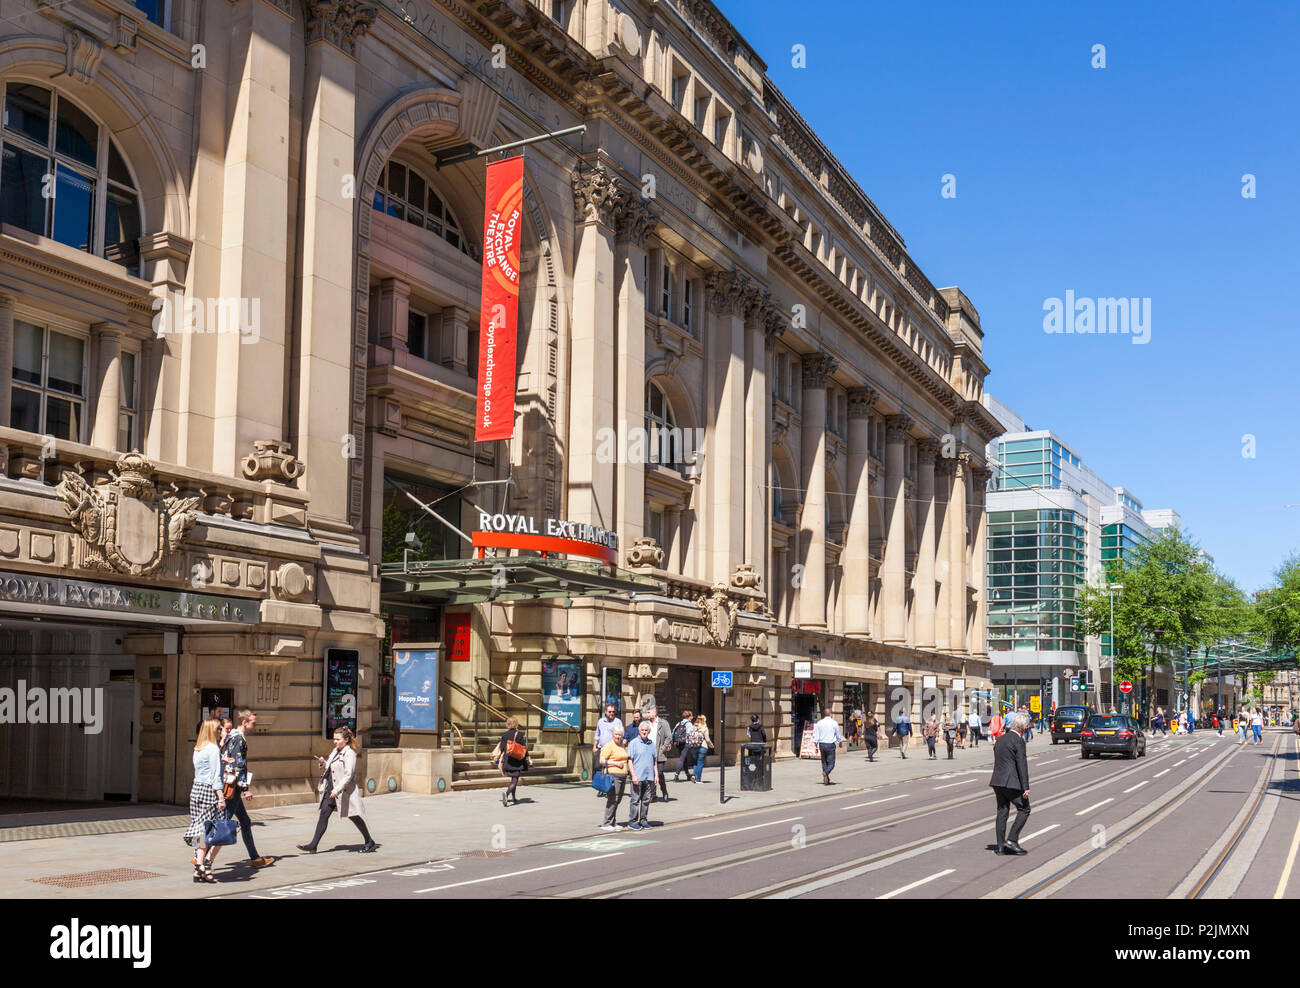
x=415, y=829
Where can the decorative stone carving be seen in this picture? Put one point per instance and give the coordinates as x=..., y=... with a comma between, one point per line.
x=982, y=476
x=719, y=611
x=635, y=219
x=861, y=401
x=126, y=525
x=897, y=427
x=271, y=460
x=817, y=368
x=727, y=292
x=775, y=322
x=290, y=582
x=645, y=552
x=746, y=577
x=627, y=35
x=926, y=450
x=779, y=430
x=663, y=630
x=84, y=55
x=127, y=29
x=596, y=195
x=340, y=22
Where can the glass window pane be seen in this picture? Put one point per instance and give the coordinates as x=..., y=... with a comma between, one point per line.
x=435, y=204
x=65, y=364
x=397, y=179
x=74, y=208
x=417, y=218
x=128, y=380
x=121, y=228
x=126, y=431
x=63, y=418
x=21, y=202
x=27, y=111
x=154, y=10
x=27, y=352
x=415, y=191
x=75, y=134
x=117, y=170
x=452, y=237
x=451, y=221
x=25, y=410
x=378, y=202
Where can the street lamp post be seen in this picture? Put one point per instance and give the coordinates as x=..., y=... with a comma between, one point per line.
x=1114, y=587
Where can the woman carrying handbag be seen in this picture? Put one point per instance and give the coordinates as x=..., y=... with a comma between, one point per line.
x=206, y=799
x=511, y=755
x=338, y=791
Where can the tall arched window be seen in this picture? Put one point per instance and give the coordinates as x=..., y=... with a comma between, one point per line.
x=668, y=445
x=404, y=193
x=63, y=176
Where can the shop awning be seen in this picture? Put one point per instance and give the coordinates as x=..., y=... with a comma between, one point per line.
x=506, y=578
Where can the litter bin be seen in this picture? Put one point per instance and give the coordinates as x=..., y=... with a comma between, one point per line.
x=755, y=767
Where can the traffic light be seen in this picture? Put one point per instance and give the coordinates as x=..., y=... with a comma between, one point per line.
x=1084, y=682
x=1074, y=684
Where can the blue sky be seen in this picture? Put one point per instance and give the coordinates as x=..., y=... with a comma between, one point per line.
x=1121, y=181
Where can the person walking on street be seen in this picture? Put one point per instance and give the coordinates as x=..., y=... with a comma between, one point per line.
x=700, y=741
x=206, y=799
x=826, y=735
x=930, y=731
x=962, y=727
x=613, y=759
x=662, y=736
x=511, y=756
x=949, y=733
x=1029, y=723
x=903, y=730
x=1010, y=784
x=681, y=739
x=338, y=791
x=1158, y=723
x=1217, y=724
x=605, y=728
x=239, y=783
x=1257, y=726
x=643, y=765
x=995, y=726
x=871, y=735
x=975, y=728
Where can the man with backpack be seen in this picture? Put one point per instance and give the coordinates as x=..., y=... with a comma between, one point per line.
x=680, y=734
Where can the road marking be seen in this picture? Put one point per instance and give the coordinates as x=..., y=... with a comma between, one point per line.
x=1086, y=809
x=1176, y=764
x=858, y=806
x=1158, y=774
x=951, y=784
x=1290, y=858
x=1136, y=787
x=908, y=888
x=1049, y=761
x=1039, y=833
x=741, y=830
x=516, y=874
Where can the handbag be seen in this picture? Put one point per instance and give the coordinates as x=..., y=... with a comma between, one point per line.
x=516, y=750
x=221, y=832
x=602, y=782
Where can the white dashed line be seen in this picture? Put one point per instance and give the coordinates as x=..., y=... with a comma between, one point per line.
x=908, y=888
x=1089, y=809
x=1138, y=786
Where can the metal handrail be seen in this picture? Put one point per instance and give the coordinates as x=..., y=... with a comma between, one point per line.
x=479, y=703
x=454, y=730
x=576, y=745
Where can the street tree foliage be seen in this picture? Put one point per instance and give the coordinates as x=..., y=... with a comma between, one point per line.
x=1172, y=600
x=1279, y=608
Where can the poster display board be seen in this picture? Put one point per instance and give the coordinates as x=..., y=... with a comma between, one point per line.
x=417, y=686
x=611, y=690
x=562, y=691
x=341, y=671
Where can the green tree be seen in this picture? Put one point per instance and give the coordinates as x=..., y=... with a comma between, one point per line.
x=1164, y=606
x=1279, y=608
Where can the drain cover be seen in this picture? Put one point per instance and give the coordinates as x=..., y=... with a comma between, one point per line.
x=81, y=879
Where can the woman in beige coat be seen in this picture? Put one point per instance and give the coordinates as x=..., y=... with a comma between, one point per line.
x=338, y=791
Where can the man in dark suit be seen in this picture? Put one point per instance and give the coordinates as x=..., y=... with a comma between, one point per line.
x=1010, y=784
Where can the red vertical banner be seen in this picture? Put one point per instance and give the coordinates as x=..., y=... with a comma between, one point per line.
x=498, y=323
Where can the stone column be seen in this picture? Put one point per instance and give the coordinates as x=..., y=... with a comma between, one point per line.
x=393, y=318
x=635, y=222
x=597, y=200
x=452, y=344
x=108, y=384
x=6, y=357
x=926, y=450
x=943, y=506
x=325, y=347
x=957, y=555
x=758, y=445
x=817, y=367
x=979, y=559
x=728, y=295
x=857, y=543
x=895, y=576
x=243, y=367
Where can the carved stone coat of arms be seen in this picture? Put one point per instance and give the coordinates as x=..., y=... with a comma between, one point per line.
x=127, y=525
x=719, y=612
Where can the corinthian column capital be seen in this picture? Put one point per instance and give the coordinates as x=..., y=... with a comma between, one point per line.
x=926, y=451
x=897, y=427
x=817, y=367
x=861, y=401
x=339, y=22
x=596, y=195
x=728, y=292
x=634, y=218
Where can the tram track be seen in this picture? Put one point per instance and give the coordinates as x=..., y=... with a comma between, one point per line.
x=697, y=870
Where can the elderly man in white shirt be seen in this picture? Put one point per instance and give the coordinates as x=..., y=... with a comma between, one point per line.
x=827, y=735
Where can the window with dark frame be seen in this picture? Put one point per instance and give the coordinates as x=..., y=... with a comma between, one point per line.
x=48, y=393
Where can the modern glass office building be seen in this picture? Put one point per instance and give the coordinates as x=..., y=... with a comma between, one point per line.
x=1053, y=525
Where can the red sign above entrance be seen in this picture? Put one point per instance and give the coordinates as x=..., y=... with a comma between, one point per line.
x=806, y=686
x=542, y=543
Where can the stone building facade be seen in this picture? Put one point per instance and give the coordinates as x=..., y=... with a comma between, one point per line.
x=278, y=295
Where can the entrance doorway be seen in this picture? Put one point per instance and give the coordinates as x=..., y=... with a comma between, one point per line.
x=118, y=740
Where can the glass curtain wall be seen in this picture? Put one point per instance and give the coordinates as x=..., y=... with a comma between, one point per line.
x=1035, y=571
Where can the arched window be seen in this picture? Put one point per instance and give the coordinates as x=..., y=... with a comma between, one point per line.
x=667, y=444
x=63, y=176
x=404, y=193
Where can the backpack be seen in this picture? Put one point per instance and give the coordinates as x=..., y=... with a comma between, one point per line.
x=679, y=733
x=695, y=739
